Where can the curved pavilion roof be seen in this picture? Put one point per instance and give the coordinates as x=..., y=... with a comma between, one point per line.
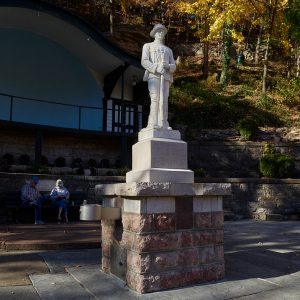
x=70, y=31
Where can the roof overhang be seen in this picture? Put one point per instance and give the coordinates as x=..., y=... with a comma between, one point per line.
x=70, y=31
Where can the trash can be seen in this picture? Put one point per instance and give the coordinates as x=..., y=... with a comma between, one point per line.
x=90, y=212
x=240, y=59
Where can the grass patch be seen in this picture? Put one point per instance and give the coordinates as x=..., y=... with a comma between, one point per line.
x=197, y=105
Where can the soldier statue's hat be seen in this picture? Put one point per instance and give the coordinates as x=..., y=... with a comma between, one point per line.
x=158, y=27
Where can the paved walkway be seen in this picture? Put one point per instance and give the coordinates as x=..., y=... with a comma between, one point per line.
x=262, y=262
x=50, y=236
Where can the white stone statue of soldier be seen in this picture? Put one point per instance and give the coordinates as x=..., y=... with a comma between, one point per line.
x=160, y=65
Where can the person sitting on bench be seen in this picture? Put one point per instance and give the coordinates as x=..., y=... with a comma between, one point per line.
x=31, y=196
x=59, y=196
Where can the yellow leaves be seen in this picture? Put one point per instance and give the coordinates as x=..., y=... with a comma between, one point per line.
x=124, y=7
x=237, y=36
x=198, y=7
x=216, y=27
x=235, y=13
x=286, y=45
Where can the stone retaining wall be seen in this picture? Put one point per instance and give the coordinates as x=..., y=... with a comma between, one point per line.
x=251, y=197
x=78, y=183
x=235, y=159
x=263, y=199
x=60, y=145
x=223, y=153
x=11, y=182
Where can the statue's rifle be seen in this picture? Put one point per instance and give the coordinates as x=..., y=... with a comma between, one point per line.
x=161, y=95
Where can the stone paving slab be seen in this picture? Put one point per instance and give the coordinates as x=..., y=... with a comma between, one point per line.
x=58, y=261
x=262, y=262
x=19, y=293
x=291, y=279
x=110, y=288
x=101, y=285
x=59, y=286
x=291, y=292
x=15, y=268
x=262, y=235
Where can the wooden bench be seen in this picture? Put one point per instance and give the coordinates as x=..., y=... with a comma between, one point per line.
x=16, y=212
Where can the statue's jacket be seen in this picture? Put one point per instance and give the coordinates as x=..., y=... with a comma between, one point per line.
x=153, y=55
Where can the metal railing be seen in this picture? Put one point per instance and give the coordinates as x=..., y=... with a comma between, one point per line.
x=10, y=111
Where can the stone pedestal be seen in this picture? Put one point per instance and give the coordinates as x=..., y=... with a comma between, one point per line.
x=159, y=156
x=171, y=234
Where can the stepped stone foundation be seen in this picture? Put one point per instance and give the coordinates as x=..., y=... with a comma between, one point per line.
x=171, y=230
x=171, y=234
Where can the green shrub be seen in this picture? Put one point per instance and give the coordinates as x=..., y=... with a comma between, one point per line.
x=265, y=102
x=268, y=148
x=93, y=171
x=80, y=171
x=289, y=91
x=247, y=89
x=9, y=159
x=247, y=128
x=92, y=163
x=44, y=161
x=199, y=172
x=60, y=162
x=77, y=162
x=286, y=166
x=277, y=165
x=39, y=169
x=123, y=171
x=44, y=169
x=24, y=159
x=104, y=163
x=189, y=134
x=6, y=161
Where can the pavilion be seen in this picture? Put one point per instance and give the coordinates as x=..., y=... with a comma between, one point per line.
x=65, y=90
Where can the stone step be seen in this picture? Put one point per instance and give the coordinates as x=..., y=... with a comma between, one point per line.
x=274, y=217
x=229, y=215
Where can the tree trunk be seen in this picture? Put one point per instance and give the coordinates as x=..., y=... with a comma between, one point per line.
x=298, y=65
x=289, y=66
x=265, y=71
x=187, y=34
x=273, y=11
x=219, y=49
x=256, y=56
x=111, y=17
x=205, y=50
x=248, y=36
x=227, y=42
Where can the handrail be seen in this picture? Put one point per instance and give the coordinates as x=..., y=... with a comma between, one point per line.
x=115, y=123
x=47, y=101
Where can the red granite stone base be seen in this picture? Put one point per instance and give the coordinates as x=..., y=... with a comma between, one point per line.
x=163, y=253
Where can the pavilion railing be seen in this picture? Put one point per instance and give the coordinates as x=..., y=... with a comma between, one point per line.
x=58, y=114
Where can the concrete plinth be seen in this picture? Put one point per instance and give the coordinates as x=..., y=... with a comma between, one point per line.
x=146, y=134
x=171, y=234
x=160, y=175
x=160, y=156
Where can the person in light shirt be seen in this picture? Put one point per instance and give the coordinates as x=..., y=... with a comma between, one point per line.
x=59, y=196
